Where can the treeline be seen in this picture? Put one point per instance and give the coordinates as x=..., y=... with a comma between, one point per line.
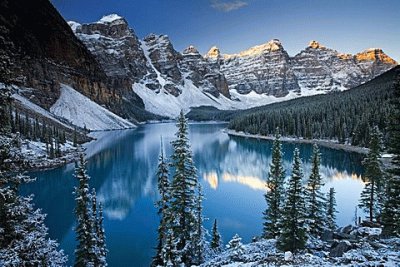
x=344, y=116
x=23, y=125
x=296, y=210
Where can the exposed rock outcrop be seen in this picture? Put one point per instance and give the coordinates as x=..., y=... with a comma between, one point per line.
x=39, y=50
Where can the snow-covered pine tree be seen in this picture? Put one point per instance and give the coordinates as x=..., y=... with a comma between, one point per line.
x=315, y=199
x=86, y=247
x=293, y=226
x=274, y=195
x=24, y=239
x=101, y=237
x=23, y=235
x=372, y=195
x=163, y=186
x=183, y=195
x=391, y=207
x=168, y=250
x=236, y=247
x=5, y=107
x=331, y=210
x=199, y=240
x=98, y=232
x=216, y=240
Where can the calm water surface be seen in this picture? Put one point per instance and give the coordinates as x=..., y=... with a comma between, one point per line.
x=232, y=170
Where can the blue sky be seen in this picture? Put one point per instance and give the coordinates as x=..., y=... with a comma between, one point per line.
x=234, y=25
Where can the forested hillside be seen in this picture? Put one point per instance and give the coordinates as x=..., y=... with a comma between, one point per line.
x=343, y=116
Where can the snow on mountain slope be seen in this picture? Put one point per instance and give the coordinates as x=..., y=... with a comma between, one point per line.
x=165, y=104
x=83, y=112
x=31, y=106
x=168, y=81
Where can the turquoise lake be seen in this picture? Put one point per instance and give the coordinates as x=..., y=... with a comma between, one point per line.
x=233, y=170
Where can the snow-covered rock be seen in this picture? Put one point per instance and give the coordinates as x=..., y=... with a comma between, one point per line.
x=85, y=113
x=288, y=256
x=264, y=253
x=260, y=75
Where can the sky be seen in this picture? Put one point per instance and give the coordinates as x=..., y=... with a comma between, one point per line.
x=235, y=25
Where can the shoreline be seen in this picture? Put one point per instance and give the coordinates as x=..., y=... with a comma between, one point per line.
x=324, y=143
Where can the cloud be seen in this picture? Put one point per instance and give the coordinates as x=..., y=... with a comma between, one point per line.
x=227, y=6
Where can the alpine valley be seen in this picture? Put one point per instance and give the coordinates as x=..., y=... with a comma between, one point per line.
x=139, y=80
x=116, y=149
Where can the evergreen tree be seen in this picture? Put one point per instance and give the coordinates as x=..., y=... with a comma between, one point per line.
x=168, y=250
x=85, y=250
x=23, y=235
x=183, y=195
x=315, y=199
x=236, y=247
x=216, y=241
x=75, y=138
x=391, y=208
x=293, y=227
x=163, y=209
x=371, y=196
x=331, y=210
x=275, y=191
x=98, y=231
x=199, y=240
x=5, y=107
x=101, y=237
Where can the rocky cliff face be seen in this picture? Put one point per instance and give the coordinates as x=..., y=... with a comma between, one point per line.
x=39, y=50
x=114, y=45
x=263, y=69
x=152, y=61
x=268, y=69
x=321, y=68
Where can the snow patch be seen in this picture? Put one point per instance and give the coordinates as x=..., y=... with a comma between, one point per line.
x=83, y=112
x=31, y=106
x=110, y=18
x=74, y=25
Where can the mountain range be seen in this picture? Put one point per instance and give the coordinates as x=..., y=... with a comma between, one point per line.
x=259, y=75
x=143, y=79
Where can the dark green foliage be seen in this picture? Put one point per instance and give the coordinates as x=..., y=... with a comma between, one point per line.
x=391, y=208
x=163, y=208
x=184, y=200
x=199, y=232
x=345, y=116
x=24, y=239
x=101, y=237
x=331, y=210
x=275, y=191
x=293, y=222
x=5, y=109
x=85, y=250
x=216, y=240
x=100, y=248
x=372, y=195
x=315, y=199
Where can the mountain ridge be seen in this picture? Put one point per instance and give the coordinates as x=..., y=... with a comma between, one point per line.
x=259, y=75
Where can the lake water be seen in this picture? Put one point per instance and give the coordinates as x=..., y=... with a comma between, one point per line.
x=233, y=170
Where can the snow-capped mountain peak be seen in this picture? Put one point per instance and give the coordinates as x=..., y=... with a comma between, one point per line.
x=112, y=18
x=74, y=25
x=270, y=46
x=315, y=44
x=213, y=53
x=256, y=76
x=191, y=50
